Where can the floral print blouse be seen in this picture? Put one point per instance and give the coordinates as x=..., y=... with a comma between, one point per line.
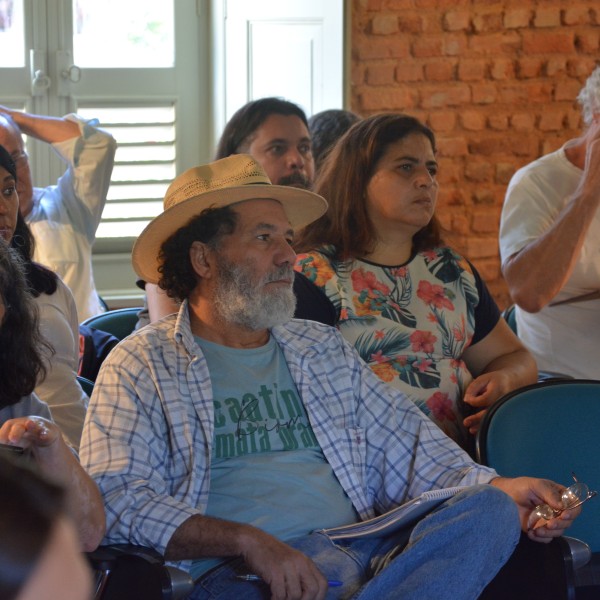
x=411, y=323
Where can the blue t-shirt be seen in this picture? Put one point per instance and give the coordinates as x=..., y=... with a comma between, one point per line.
x=267, y=468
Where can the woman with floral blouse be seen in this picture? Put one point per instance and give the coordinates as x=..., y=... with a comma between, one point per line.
x=417, y=312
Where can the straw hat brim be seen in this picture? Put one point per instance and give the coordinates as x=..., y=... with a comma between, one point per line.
x=301, y=208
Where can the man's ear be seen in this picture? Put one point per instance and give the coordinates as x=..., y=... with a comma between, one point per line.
x=200, y=260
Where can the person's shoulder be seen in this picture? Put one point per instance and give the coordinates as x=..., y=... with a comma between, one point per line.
x=538, y=167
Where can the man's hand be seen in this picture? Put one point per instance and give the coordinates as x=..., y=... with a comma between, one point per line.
x=290, y=574
x=528, y=492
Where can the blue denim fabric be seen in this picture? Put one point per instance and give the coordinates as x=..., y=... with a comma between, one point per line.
x=454, y=552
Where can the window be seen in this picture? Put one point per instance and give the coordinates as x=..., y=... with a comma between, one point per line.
x=163, y=78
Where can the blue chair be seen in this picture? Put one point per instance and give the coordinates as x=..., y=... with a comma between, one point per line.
x=550, y=430
x=120, y=322
x=86, y=385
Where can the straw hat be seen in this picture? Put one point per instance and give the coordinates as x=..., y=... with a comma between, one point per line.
x=236, y=178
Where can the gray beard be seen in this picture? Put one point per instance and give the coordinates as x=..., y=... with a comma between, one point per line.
x=243, y=302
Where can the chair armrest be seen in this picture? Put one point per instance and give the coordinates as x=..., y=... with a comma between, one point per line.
x=129, y=572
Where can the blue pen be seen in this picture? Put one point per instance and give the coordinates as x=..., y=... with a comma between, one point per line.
x=330, y=582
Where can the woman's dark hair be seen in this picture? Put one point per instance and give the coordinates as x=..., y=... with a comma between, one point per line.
x=249, y=118
x=326, y=128
x=40, y=279
x=30, y=507
x=177, y=276
x=21, y=343
x=343, y=182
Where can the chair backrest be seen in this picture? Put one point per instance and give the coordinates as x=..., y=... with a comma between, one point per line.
x=549, y=429
x=86, y=385
x=510, y=317
x=120, y=322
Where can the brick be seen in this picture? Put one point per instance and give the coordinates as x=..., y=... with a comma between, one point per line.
x=482, y=196
x=487, y=22
x=490, y=145
x=484, y=93
x=385, y=24
x=449, y=171
x=455, y=45
x=453, y=146
x=473, y=120
x=576, y=15
x=521, y=145
x=548, y=42
x=551, y=120
x=380, y=74
x=529, y=68
x=588, y=42
x=411, y=23
x=574, y=120
x=567, y=90
x=487, y=221
x=428, y=47
x=522, y=122
x=456, y=20
x=502, y=69
x=488, y=268
x=368, y=48
x=580, y=68
x=517, y=18
x=387, y=99
x=547, y=17
x=357, y=74
x=480, y=247
x=442, y=121
x=460, y=224
x=447, y=96
x=498, y=122
x=471, y=69
x=504, y=173
x=409, y=71
x=440, y=70
x=496, y=44
x=556, y=65
x=479, y=171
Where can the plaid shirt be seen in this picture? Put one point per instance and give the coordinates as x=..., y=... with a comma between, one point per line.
x=149, y=429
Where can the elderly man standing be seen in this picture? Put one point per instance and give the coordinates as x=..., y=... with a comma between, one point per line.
x=549, y=245
x=225, y=435
x=63, y=217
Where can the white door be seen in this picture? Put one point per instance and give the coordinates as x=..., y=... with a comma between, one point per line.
x=286, y=48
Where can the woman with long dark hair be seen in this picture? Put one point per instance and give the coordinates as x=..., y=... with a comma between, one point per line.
x=26, y=424
x=59, y=324
x=417, y=312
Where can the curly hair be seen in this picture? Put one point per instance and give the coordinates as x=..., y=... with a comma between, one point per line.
x=177, y=276
x=343, y=181
x=249, y=118
x=21, y=343
x=589, y=96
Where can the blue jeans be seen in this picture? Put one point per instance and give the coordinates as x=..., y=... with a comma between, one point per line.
x=454, y=552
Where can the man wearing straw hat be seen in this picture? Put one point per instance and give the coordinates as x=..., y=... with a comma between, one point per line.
x=228, y=436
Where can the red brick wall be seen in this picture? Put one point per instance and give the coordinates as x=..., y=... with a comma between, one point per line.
x=495, y=80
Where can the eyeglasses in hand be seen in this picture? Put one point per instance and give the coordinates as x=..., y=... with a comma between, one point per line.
x=572, y=497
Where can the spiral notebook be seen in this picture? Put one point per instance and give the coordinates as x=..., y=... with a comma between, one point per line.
x=402, y=516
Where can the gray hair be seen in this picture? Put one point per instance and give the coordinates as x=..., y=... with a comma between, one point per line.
x=589, y=96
